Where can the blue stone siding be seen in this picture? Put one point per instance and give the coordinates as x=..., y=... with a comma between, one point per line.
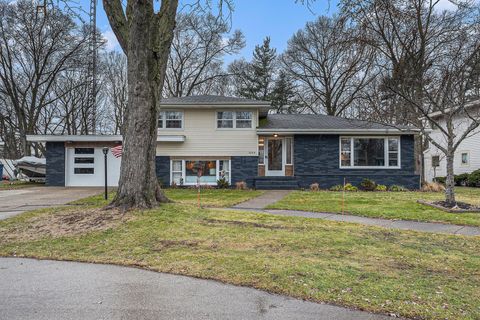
x=316, y=160
x=55, y=155
x=244, y=169
x=162, y=168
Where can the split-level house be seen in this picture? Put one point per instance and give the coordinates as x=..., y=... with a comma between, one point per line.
x=202, y=139
x=467, y=156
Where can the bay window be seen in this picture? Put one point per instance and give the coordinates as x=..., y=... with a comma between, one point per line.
x=191, y=172
x=369, y=152
x=234, y=120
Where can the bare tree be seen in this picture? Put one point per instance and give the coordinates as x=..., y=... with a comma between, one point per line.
x=195, y=64
x=34, y=51
x=330, y=66
x=115, y=74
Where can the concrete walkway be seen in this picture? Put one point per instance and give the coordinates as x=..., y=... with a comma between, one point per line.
x=41, y=290
x=264, y=200
x=432, y=227
x=17, y=201
x=269, y=197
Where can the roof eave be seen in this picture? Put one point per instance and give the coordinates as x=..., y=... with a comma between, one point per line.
x=338, y=131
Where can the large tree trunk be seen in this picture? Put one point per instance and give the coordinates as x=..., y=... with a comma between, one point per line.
x=450, y=181
x=147, y=52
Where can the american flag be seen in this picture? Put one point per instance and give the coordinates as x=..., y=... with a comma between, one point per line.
x=117, y=151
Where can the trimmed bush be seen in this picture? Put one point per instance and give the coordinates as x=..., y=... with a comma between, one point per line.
x=368, y=185
x=473, y=179
x=350, y=187
x=381, y=187
x=337, y=187
x=314, y=187
x=397, y=188
x=440, y=180
x=461, y=179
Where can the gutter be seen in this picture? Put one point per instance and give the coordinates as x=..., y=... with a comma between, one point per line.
x=336, y=131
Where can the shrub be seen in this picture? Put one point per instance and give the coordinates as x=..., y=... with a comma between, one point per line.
x=433, y=187
x=440, y=179
x=350, y=187
x=222, y=183
x=397, y=188
x=368, y=185
x=241, y=185
x=315, y=187
x=474, y=179
x=461, y=179
x=381, y=187
x=337, y=187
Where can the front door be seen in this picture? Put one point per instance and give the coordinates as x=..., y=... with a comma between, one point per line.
x=275, y=157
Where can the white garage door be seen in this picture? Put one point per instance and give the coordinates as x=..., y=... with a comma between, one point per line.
x=85, y=168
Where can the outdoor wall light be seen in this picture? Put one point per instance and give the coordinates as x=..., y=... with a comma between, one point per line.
x=275, y=135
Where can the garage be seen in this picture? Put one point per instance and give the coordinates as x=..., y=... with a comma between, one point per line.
x=85, y=166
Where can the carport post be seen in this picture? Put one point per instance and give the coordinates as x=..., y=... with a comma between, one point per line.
x=105, y=153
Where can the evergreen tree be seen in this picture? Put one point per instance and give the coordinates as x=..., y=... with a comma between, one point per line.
x=283, y=95
x=255, y=79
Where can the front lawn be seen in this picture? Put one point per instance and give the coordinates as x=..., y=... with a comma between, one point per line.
x=218, y=198
x=417, y=275
x=389, y=205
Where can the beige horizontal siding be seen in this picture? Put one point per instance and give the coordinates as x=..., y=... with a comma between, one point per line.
x=202, y=138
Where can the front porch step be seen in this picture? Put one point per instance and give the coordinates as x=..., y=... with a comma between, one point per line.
x=276, y=183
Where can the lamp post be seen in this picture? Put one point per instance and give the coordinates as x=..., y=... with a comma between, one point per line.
x=105, y=153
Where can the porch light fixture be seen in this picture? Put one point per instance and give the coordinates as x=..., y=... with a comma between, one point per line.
x=275, y=135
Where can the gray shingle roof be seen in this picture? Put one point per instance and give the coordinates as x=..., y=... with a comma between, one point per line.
x=212, y=99
x=321, y=122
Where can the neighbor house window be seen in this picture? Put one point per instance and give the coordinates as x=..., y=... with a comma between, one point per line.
x=170, y=120
x=230, y=119
x=435, y=161
x=191, y=172
x=366, y=152
x=464, y=158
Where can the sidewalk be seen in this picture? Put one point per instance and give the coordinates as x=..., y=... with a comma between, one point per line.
x=260, y=203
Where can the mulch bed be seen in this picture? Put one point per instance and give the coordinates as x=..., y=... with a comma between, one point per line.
x=461, y=207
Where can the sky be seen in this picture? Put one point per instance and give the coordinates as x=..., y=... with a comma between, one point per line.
x=279, y=19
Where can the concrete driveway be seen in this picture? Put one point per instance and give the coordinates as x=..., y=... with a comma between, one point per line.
x=32, y=289
x=13, y=202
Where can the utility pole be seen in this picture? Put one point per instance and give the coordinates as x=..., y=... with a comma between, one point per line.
x=92, y=66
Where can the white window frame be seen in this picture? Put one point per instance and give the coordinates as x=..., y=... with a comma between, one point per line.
x=217, y=171
x=352, y=152
x=468, y=158
x=234, y=119
x=164, y=120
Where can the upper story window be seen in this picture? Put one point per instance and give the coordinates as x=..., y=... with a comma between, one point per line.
x=170, y=120
x=435, y=161
x=234, y=120
x=366, y=152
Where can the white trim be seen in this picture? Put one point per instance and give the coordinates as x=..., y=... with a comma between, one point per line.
x=386, y=152
x=73, y=138
x=162, y=138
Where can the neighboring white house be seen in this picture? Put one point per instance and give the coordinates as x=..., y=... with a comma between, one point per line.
x=467, y=156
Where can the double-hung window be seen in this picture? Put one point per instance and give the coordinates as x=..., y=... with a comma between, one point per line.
x=369, y=152
x=234, y=120
x=170, y=120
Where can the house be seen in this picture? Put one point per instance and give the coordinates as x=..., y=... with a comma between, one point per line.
x=467, y=156
x=237, y=139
